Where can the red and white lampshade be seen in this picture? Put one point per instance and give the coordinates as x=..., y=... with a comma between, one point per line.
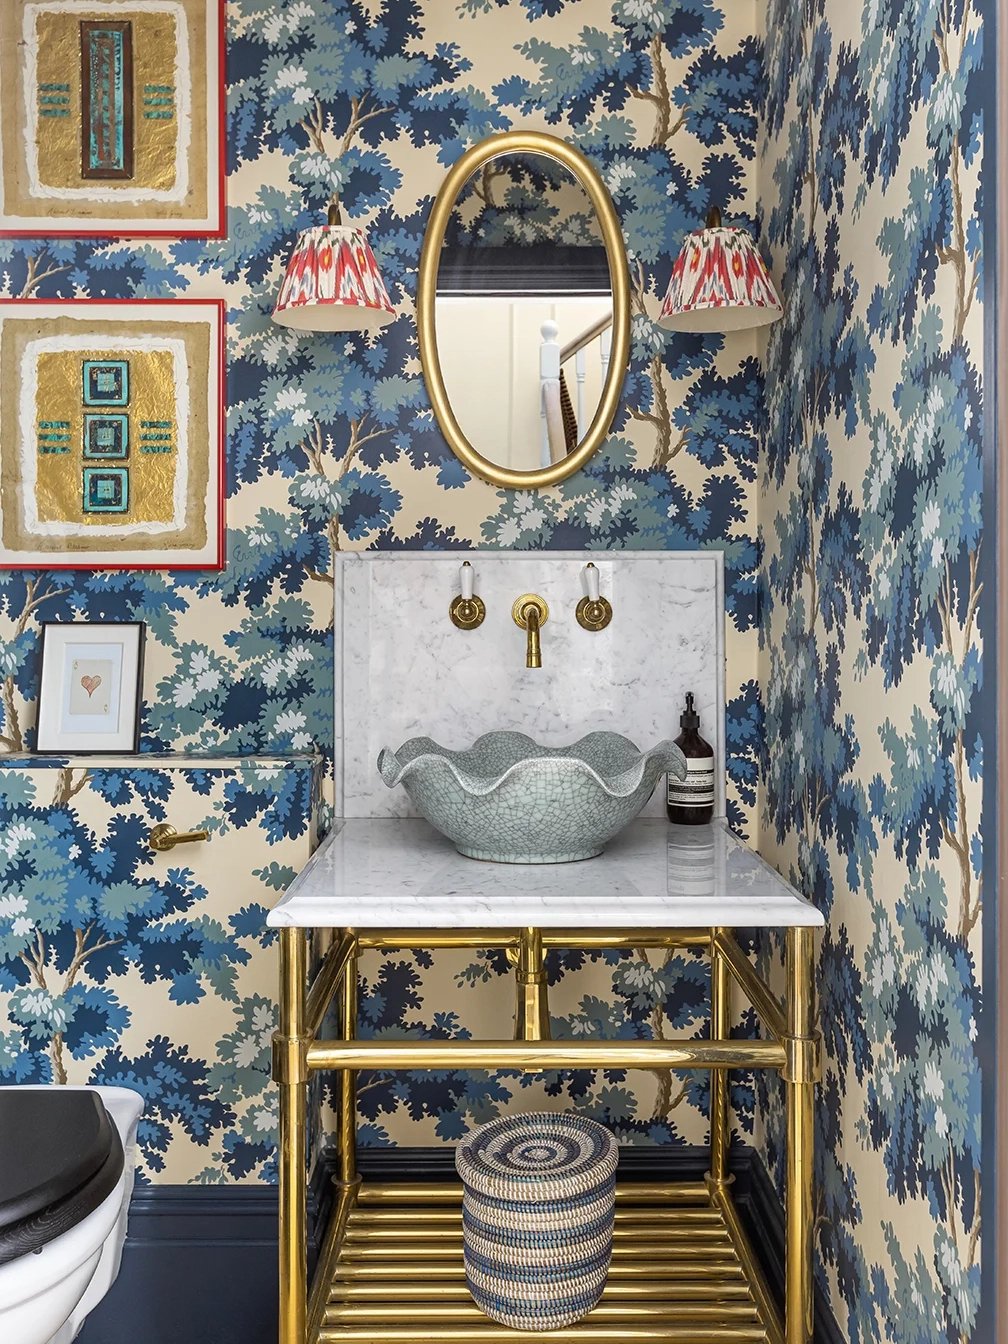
x=719, y=283
x=332, y=283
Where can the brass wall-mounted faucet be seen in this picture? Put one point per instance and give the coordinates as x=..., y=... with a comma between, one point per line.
x=531, y=613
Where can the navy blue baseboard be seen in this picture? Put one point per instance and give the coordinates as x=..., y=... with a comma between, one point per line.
x=200, y=1264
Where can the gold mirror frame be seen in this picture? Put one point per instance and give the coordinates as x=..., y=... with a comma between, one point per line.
x=523, y=142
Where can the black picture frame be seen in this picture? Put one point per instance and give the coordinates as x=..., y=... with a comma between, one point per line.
x=51, y=677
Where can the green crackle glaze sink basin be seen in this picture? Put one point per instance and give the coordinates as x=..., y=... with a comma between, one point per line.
x=508, y=800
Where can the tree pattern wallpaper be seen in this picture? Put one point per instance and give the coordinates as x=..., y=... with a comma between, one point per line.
x=844, y=490
x=871, y=520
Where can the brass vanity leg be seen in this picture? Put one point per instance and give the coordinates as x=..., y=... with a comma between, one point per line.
x=348, y=1085
x=291, y=1075
x=799, y=1086
x=532, y=1021
x=719, y=1028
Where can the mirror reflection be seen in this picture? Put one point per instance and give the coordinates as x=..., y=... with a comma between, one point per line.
x=524, y=311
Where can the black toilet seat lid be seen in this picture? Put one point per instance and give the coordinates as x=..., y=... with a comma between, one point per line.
x=53, y=1142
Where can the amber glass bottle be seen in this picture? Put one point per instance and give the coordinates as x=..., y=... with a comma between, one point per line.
x=690, y=801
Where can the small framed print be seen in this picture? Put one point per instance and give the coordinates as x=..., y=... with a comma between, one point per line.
x=91, y=687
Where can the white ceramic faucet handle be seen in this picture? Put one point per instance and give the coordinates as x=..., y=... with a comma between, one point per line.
x=591, y=575
x=466, y=580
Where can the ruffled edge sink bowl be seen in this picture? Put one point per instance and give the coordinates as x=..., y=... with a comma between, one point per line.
x=508, y=800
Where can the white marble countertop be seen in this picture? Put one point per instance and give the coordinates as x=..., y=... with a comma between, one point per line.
x=396, y=873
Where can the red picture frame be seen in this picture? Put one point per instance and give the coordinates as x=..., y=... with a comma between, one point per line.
x=213, y=555
x=217, y=191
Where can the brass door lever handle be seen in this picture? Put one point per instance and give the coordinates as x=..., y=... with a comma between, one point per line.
x=164, y=837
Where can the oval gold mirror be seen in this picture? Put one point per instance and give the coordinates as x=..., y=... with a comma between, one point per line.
x=523, y=309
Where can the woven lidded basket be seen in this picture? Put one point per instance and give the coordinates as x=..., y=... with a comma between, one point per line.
x=537, y=1217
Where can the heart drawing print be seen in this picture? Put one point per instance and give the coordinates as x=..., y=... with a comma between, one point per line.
x=90, y=684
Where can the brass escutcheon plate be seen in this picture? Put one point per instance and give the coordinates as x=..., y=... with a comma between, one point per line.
x=529, y=600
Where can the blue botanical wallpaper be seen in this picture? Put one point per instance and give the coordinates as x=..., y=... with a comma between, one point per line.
x=850, y=136
x=152, y=971
x=871, y=520
x=332, y=444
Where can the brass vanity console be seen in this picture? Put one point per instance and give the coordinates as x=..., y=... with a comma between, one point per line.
x=683, y=1268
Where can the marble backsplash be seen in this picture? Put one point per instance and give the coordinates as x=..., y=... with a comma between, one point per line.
x=403, y=669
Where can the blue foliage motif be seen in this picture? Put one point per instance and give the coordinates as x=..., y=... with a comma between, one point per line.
x=871, y=601
x=332, y=445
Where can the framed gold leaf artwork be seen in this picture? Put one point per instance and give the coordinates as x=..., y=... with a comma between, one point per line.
x=112, y=434
x=113, y=118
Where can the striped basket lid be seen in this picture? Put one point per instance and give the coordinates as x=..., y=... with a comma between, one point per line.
x=537, y=1156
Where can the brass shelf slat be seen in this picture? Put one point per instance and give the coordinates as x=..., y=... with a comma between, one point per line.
x=437, y=1194
x=681, y=1273
x=626, y=1313
x=378, y=1216
x=444, y=1250
x=455, y=1290
x=659, y=1269
x=486, y=1332
x=419, y=1229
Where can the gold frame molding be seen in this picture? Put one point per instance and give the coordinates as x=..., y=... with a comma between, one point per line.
x=523, y=142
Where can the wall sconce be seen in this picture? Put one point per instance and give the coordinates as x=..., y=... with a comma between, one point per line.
x=332, y=281
x=719, y=283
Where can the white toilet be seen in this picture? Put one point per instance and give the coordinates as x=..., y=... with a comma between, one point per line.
x=67, y=1156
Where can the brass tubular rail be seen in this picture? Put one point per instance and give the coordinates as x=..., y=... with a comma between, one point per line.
x=768, y=1010
x=661, y=1268
x=292, y=1156
x=348, y=1084
x=420, y=1231
x=327, y=982
x=450, y=1193
x=719, y=1031
x=539, y=1056
x=625, y=939
x=422, y=1253
x=532, y=1020
x=326, y=1267
x=441, y=939
x=485, y=1332
x=799, y=1087
x=754, y=1275
x=671, y=1290
x=437, y=939
x=392, y=1313
x=449, y=1215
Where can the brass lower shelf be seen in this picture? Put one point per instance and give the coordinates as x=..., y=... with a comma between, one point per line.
x=682, y=1271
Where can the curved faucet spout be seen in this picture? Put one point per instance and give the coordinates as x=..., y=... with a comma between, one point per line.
x=533, y=645
x=530, y=612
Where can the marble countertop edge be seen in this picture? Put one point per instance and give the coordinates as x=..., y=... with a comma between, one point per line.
x=398, y=873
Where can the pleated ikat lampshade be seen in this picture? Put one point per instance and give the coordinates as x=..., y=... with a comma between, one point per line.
x=719, y=283
x=332, y=282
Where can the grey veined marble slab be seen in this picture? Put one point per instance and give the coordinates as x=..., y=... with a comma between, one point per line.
x=393, y=873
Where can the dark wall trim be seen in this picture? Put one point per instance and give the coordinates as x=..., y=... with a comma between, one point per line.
x=200, y=1266
x=200, y=1263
